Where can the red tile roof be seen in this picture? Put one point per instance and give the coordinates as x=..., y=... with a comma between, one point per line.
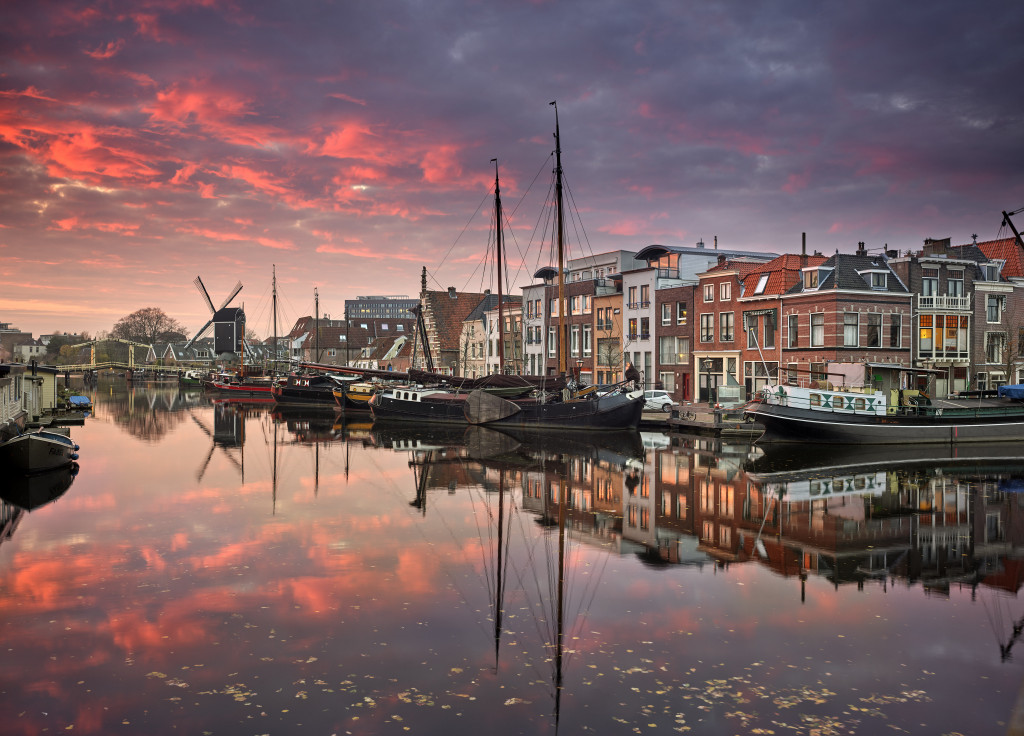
x=783, y=274
x=1005, y=249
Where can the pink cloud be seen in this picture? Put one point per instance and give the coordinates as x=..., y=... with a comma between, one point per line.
x=108, y=50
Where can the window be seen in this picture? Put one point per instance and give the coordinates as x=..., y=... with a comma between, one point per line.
x=586, y=304
x=873, y=339
x=707, y=328
x=762, y=282
x=817, y=330
x=575, y=340
x=895, y=330
x=930, y=283
x=926, y=335
x=574, y=305
x=750, y=327
x=725, y=326
x=811, y=279
x=769, y=331
x=725, y=291
x=666, y=314
x=681, y=313
x=632, y=297
x=552, y=342
x=991, y=271
x=879, y=280
x=955, y=284
x=587, y=341
x=645, y=295
x=632, y=329
x=851, y=329
x=794, y=331
x=994, y=309
x=995, y=345
x=709, y=292
x=668, y=380
x=553, y=308
x=645, y=328
x=667, y=350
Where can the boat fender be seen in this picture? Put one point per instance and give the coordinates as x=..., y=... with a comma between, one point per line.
x=74, y=456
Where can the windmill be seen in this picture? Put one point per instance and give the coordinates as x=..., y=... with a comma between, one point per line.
x=228, y=322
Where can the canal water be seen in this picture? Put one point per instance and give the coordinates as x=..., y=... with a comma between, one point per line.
x=228, y=568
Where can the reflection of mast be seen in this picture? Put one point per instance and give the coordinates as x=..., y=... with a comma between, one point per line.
x=274, y=476
x=560, y=618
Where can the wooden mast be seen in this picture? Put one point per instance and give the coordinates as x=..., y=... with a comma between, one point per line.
x=277, y=354
x=562, y=325
x=501, y=267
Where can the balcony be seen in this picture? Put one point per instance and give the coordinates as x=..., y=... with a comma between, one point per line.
x=953, y=303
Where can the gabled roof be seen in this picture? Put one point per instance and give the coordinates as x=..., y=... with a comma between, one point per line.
x=783, y=273
x=844, y=272
x=741, y=266
x=448, y=310
x=1005, y=249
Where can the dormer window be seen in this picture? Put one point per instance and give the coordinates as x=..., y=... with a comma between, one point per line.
x=761, y=284
x=811, y=279
x=991, y=271
x=878, y=280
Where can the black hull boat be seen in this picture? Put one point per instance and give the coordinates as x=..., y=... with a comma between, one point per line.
x=34, y=452
x=872, y=406
x=302, y=389
x=419, y=405
x=940, y=423
x=615, y=411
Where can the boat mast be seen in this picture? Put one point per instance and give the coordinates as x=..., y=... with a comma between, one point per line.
x=501, y=267
x=277, y=354
x=562, y=326
x=316, y=300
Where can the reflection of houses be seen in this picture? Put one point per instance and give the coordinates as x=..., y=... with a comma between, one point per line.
x=848, y=524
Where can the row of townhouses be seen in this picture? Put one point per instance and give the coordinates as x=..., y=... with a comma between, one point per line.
x=705, y=323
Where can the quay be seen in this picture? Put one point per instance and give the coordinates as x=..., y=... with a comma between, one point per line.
x=704, y=419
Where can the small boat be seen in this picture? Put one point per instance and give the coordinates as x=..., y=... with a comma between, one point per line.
x=880, y=411
x=33, y=452
x=305, y=389
x=77, y=402
x=354, y=395
x=229, y=384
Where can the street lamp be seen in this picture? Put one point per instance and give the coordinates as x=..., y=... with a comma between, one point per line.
x=707, y=364
x=579, y=369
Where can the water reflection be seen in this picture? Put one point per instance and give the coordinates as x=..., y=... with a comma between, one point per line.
x=233, y=568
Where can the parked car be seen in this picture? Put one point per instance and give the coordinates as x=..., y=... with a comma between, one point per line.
x=657, y=400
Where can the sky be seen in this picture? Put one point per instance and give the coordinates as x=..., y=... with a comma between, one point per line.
x=348, y=144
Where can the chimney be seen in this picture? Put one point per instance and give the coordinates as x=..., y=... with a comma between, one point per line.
x=803, y=250
x=716, y=242
x=700, y=243
x=721, y=259
x=861, y=250
x=451, y=292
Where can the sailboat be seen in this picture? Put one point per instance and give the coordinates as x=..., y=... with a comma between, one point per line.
x=554, y=402
x=571, y=408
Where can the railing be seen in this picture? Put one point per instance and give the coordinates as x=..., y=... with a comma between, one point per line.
x=959, y=303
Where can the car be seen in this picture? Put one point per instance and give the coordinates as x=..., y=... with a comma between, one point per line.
x=657, y=400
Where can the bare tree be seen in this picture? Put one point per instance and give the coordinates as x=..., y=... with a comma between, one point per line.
x=149, y=325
